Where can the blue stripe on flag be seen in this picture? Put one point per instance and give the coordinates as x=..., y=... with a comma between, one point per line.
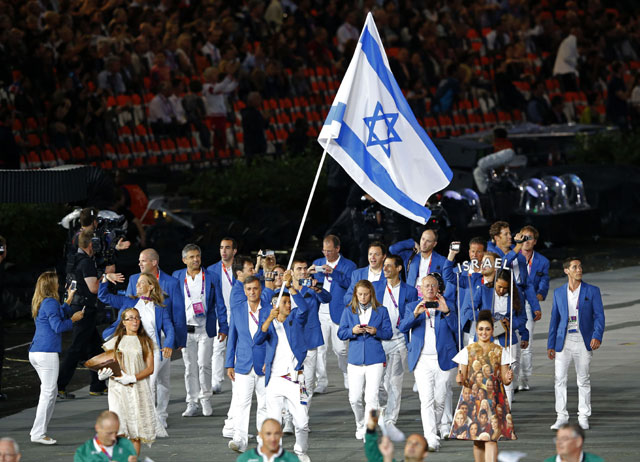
x=372, y=52
x=335, y=113
x=376, y=172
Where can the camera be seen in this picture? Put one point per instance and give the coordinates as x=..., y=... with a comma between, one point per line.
x=111, y=227
x=455, y=247
x=307, y=282
x=266, y=253
x=524, y=239
x=73, y=285
x=319, y=269
x=431, y=304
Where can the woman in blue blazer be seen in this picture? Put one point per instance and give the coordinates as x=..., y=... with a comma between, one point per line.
x=364, y=324
x=52, y=319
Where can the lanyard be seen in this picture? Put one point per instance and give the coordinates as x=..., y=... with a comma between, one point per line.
x=224, y=268
x=253, y=317
x=95, y=438
x=186, y=286
x=393, y=299
x=529, y=264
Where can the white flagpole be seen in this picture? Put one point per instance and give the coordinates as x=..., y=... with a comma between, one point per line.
x=306, y=212
x=458, y=298
x=511, y=319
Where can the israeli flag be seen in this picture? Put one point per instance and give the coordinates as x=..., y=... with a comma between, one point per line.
x=372, y=133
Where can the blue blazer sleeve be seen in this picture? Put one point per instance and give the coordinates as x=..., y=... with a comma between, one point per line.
x=178, y=314
x=543, y=285
x=409, y=321
x=324, y=296
x=554, y=320
x=404, y=249
x=53, y=312
x=384, y=332
x=232, y=340
x=116, y=301
x=221, y=310
x=598, y=314
x=302, y=313
x=345, y=331
x=261, y=337
x=342, y=278
x=167, y=328
x=348, y=295
x=530, y=296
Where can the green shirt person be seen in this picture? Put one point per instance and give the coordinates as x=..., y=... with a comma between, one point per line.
x=569, y=446
x=415, y=449
x=271, y=435
x=105, y=445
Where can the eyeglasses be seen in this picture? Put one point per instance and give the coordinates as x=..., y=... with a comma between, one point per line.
x=136, y=318
x=565, y=439
x=7, y=455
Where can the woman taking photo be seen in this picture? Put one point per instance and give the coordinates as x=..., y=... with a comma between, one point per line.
x=130, y=393
x=365, y=325
x=51, y=319
x=485, y=446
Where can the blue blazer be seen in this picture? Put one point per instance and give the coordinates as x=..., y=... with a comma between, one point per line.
x=122, y=302
x=173, y=301
x=312, y=329
x=242, y=354
x=341, y=279
x=483, y=300
x=524, y=282
x=366, y=349
x=294, y=329
x=406, y=295
x=590, y=317
x=412, y=261
x=446, y=330
x=357, y=275
x=219, y=311
x=53, y=319
x=539, y=275
x=216, y=271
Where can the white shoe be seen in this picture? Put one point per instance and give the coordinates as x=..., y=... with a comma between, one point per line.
x=444, y=433
x=207, y=410
x=303, y=457
x=559, y=423
x=434, y=446
x=360, y=433
x=44, y=440
x=393, y=433
x=415, y=387
x=583, y=422
x=288, y=427
x=217, y=388
x=524, y=386
x=191, y=411
x=237, y=446
x=320, y=389
x=163, y=422
x=346, y=382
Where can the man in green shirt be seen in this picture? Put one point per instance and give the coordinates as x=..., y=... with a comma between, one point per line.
x=569, y=442
x=271, y=435
x=106, y=445
x=415, y=449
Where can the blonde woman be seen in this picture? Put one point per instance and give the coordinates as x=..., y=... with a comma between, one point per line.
x=364, y=325
x=51, y=319
x=130, y=393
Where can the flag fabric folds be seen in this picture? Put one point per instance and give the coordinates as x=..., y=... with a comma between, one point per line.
x=372, y=133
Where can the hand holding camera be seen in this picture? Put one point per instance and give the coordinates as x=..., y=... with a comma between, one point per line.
x=454, y=249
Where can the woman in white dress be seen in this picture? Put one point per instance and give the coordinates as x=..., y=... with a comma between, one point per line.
x=130, y=393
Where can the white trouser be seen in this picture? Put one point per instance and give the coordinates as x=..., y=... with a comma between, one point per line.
x=515, y=367
x=575, y=350
x=160, y=383
x=197, y=365
x=330, y=331
x=527, y=353
x=280, y=390
x=309, y=379
x=245, y=386
x=47, y=366
x=367, y=378
x=447, y=412
x=217, y=362
x=432, y=389
x=391, y=392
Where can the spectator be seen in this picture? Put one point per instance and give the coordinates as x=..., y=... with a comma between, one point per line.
x=617, y=95
x=538, y=109
x=254, y=124
x=195, y=112
x=347, y=32
x=9, y=450
x=215, y=91
x=107, y=441
x=111, y=79
x=565, y=67
x=162, y=115
x=448, y=90
x=557, y=111
x=570, y=446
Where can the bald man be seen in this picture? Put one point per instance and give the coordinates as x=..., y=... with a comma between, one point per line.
x=9, y=450
x=148, y=262
x=106, y=442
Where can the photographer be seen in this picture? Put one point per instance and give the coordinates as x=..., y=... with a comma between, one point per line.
x=85, y=340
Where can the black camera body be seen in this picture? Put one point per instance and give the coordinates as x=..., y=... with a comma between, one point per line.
x=524, y=239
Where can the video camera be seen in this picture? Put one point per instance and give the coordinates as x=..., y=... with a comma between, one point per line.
x=111, y=227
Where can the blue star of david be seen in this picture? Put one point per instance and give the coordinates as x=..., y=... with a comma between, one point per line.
x=390, y=119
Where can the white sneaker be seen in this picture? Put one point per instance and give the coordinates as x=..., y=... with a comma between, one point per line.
x=444, y=433
x=237, y=446
x=303, y=457
x=44, y=440
x=207, y=410
x=191, y=411
x=393, y=433
x=559, y=423
x=434, y=446
x=217, y=388
x=583, y=422
x=415, y=387
x=524, y=386
x=360, y=433
x=320, y=389
x=288, y=427
x=346, y=382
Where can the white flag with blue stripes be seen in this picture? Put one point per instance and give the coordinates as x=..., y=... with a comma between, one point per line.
x=372, y=133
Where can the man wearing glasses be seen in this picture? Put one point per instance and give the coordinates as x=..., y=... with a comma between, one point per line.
x=569, y=446
x=9, y=450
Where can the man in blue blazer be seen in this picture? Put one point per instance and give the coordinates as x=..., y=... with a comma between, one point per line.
x=376, y=254
x=575, y=330
x=286, y=349
x=333, y=273
x=433, y=344
x=244, y=363
x=203, y=311
x=538, y=277
x=223, y=272
x=419, y=259
x=149, y=261
x=394, y=296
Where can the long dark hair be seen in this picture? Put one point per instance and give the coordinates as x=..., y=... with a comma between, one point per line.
x=145, y=340
x=505, y=275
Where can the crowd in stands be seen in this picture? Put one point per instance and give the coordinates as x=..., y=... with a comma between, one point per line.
x=123, y=82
